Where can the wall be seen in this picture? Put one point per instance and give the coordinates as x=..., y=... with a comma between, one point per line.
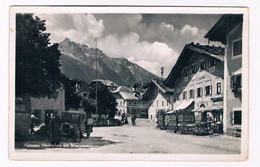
x=231, y=102
x=49, y=104
x=121, y=106
x=155, y=107
x=139, y=107
x=200, y=79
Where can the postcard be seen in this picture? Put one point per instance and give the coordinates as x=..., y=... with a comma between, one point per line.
x=128, y=83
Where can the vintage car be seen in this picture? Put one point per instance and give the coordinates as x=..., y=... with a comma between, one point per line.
x=76, y=124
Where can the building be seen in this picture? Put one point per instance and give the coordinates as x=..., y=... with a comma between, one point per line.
x=228, y=31
x=41, y=106
x=197, y=80
x=158, y=98
x=121, y=103
x=110, y=84
x=130, y=102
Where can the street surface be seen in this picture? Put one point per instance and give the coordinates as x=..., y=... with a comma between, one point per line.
x=142, y=138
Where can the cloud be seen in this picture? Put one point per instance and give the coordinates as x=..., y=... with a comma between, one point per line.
x=82, y=28
x=151, y=56
x=189, y=30
x=163, y=25
x=150, y=43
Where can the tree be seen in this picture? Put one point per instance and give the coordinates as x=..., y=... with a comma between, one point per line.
x=106, y=102
x=37, y=62
x=72, y=100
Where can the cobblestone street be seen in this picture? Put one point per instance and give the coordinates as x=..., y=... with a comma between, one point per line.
x=144, y=138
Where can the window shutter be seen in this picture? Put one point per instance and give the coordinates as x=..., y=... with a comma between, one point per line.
x=201, y=91
x=232, y=118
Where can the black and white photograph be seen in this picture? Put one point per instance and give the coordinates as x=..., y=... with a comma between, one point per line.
x=128, y=83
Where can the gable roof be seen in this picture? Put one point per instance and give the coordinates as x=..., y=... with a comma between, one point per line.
x=128, y=96
x=187, y=53
x=105, y=82
x=223, y=27
x=156, y=87
x=162, y=87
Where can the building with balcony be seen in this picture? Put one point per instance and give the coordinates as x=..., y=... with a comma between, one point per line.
x=228, y=31
x=197, y=80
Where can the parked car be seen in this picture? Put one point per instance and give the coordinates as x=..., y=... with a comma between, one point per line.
x=76, y=124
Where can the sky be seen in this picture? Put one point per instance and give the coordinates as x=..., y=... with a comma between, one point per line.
x=150, y=40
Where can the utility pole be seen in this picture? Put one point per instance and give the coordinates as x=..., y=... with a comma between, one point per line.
x=96, y=74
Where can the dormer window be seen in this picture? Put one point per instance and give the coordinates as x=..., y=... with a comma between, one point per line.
x=212, y=62
x=193, y=68
x=185, y=72
x=203, y=65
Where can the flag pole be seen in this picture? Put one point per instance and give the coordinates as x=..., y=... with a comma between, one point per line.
x=96, y=74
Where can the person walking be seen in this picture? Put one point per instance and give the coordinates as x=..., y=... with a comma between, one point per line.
x=133, y=118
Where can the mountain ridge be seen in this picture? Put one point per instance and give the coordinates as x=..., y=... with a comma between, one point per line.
x=79, y=62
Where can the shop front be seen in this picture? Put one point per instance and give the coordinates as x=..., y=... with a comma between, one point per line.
x=209, y=114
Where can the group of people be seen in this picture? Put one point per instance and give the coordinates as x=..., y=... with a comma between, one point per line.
x=52, y=123
x=124, y=119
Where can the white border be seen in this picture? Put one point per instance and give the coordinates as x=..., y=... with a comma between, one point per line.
x=140, y=157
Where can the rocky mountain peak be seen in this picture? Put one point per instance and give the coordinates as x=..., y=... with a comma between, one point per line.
x=78, y=61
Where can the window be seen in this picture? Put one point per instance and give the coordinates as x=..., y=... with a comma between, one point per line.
x=237, y=47
x=237, y=117
x=157, y=103
x=129, y=102
x=208, y=90
x=199, y=92
x=162, y=103
x=185, y=72
x=191, y=93
x=219, y=88
x=184, y=95
x=203, y=65
x=84, y=94
x=176, y=98
x=212, y=62
x=193, y=68
x=236, y=82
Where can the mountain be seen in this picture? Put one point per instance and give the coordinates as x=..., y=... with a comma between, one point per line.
x=79, y=62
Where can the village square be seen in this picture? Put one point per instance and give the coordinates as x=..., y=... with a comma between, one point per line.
x=76, y=98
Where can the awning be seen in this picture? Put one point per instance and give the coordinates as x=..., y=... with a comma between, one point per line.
x=184, y=105
x=170, y=112
x=210, y=108
x=238, y=72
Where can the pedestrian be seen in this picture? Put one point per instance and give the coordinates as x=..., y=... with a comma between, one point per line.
x=133, y=118
x=33, y=123
x=54, y=127
x=47, y=122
